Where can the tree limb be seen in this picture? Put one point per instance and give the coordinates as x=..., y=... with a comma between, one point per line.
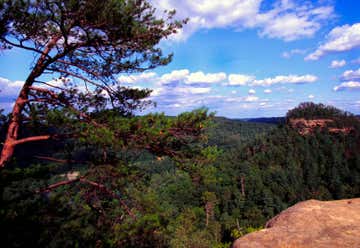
x=99, y=186
x=29, y=139
x=24, y=47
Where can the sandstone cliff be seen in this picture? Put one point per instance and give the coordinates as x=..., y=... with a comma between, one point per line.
x=313, y=224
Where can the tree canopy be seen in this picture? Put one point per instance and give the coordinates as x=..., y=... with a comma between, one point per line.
x=310, y=110
x=82, y=45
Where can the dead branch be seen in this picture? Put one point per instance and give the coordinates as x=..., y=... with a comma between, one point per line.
x=99, y=186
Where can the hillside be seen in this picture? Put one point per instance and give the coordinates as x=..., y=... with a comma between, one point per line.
x=231, y=183
x=227, y=133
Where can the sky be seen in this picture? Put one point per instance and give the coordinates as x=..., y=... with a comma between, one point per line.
x=243, y=58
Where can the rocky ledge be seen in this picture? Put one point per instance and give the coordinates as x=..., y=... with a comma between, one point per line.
x=315, y=224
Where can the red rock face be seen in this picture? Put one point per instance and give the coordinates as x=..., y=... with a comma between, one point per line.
x=305, y=127
x=311, y=224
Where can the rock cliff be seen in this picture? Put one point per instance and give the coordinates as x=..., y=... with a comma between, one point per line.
x=315, y=224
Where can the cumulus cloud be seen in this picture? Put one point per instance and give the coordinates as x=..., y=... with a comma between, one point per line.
x=291, y=22
x=183, y=76
x=340, y=39
x=267, y=91
x=351, y=85
x=176, y=75
x=182, y=90
x=157, y=92
x=285, y=19
x=138, y=78
x=200, y=77
x=289, y=79
x=192, y=90
x=338, y=63
x=311, y=96
x=351, y=75
x=192, y=78
x=245, y=99
x=10, y=88
x=252, y=92
x=239, y=79
x=251, y=98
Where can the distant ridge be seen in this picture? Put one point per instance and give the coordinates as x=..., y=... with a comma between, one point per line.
x=269, y=120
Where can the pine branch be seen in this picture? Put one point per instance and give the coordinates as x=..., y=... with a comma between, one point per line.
x=99, y=186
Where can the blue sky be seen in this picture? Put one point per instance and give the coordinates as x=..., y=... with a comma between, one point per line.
x=244, y=58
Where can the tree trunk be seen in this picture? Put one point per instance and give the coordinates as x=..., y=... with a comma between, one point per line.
x=242, y=186
x=13, y=130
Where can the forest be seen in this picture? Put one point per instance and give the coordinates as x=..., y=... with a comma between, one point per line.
x=80, y=167
x=245, y=174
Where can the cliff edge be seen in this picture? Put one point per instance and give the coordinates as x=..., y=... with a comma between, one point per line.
x=312, y=223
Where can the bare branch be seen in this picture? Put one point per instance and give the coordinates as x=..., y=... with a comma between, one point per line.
x=33, y=138
x=24, y=47
x=62, y=161
x=79, y=66
x=76, y=76
x=50, y=85
x=67, y=104
x=99, y=186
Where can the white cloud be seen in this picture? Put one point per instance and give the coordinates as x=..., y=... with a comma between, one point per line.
x=351, y=85
x=292, y=52
x=351, y=75
x=10, y=88
x=311, y=96
x=185, y=77
x=157, y=92
x=338, y=63
x=139, y=78
x=175, y=105
x=290, y=79
x=192, y=78
x=294, y=22
x=177, y=75
x=200, y=77
x=267, y=91
x=340, y=39
x=251, y=99
x=252, y=92
x=284, y=20
x=183, y=90
x=239, y=79
x=192, y=90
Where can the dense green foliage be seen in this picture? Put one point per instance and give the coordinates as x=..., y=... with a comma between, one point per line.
x=204, y=199
x=310, y=110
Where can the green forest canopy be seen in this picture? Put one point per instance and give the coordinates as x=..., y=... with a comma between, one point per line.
x=205, y=200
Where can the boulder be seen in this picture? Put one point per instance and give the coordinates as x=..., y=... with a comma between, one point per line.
x=312, y=223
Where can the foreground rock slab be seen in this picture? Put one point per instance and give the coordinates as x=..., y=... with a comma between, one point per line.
x=315, y=224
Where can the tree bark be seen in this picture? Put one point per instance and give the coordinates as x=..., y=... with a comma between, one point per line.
x=15, y=121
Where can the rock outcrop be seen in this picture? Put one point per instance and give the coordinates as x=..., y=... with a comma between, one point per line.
x=313, y=224
x=305, y=127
